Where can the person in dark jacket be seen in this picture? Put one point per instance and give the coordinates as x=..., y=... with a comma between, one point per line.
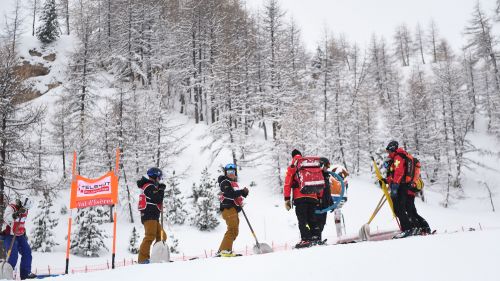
x=231, y=202
x=325, y=198
x=150, y=206
x=305, y=205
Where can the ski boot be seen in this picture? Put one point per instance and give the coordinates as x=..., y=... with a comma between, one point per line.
x=303, y=244
x=403, y=234
x=416, y=231
x=31, y=276
x=317, y=241
x=226, y=254
x=427, y=231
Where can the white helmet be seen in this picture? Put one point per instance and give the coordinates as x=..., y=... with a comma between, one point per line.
x=340, y=170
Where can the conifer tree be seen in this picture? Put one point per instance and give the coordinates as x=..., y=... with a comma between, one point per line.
x=43, y=236
x=205, y=204
x=48, y=32
x=174, y=244
x=175, y=212
x=134, y=242
x=88, y=237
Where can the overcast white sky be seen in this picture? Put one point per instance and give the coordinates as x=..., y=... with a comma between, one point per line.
x=359, y=19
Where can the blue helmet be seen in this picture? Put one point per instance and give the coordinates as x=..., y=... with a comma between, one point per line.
x=230, y=166
x=155, y=173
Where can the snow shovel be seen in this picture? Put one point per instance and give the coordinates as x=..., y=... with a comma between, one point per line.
x=6, y=270
x=160, y=251
x=259, y=248
x=364, y=232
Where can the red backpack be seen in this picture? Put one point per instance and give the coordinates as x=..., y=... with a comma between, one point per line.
x=309, y=175
x=412, y=172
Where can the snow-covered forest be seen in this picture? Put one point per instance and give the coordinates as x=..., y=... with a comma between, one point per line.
x=136, y=63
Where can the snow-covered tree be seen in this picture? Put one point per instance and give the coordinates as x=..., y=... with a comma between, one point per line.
x=48, y=31
x=17, y=157
x=134, y=241
x=43, y=235
x=174, y=202
x=173, y=244
x=88, y=237
x=205, y=203
x=205, y=214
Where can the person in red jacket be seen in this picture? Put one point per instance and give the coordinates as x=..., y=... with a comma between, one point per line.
x=305, y=205
x=398, y=186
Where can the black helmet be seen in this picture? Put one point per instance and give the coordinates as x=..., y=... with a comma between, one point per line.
x=155, y=173
x=324, y=162
x=392, y=146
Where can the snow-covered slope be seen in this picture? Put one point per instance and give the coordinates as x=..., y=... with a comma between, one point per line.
x=456, y=257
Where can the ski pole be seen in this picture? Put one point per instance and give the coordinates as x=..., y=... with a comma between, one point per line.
x=251, y=229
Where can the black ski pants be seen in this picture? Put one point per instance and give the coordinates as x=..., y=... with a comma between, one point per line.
x=308, y=225
x=321, y=221
x=400, y=202
x=415, y=218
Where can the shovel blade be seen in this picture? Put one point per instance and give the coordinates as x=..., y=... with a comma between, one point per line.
x=262, y=248
x=160, y=252
x=6, y=272
x=364, y=232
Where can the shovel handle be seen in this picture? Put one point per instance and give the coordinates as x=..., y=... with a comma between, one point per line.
x=251, y=229
x=11, y=242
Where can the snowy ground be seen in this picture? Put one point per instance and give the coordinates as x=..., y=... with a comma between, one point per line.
x=455, y=257
x=274, y=225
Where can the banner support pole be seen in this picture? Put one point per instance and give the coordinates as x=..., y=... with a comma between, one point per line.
x=70, y=219
x=114, y=239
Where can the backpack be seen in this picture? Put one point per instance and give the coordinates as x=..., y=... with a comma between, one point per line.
x=309, y=175
x=412, y=172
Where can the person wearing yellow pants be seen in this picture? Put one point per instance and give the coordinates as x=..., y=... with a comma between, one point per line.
x=150, y=205
x=231, y=201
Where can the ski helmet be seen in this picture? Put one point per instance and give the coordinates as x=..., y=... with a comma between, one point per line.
x=155, y=173
x=296, y=152
x=231, y=167
x=392, y=146
x=324, y=162
x=340, y=170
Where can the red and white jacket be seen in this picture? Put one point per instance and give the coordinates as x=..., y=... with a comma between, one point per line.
x=14, y=226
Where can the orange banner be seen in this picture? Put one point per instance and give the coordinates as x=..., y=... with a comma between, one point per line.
x=94, y=192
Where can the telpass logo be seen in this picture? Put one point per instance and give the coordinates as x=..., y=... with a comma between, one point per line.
x=85, y=188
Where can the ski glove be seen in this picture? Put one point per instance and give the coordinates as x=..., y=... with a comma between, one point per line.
x=394, y=189
x=288, y=205
x=162, y=186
